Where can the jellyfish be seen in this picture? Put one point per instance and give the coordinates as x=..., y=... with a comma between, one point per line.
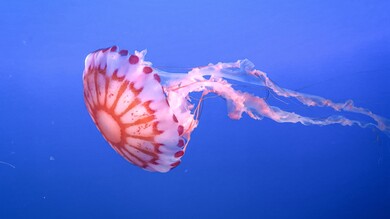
x=147, y=115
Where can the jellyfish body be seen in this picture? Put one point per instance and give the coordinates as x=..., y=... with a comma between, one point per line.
x=147, y=116
x=126, y=101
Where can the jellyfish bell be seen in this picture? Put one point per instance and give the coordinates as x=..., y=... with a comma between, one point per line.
x=147, y=115
x=127, y=103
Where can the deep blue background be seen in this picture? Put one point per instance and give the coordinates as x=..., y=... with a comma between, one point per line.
x=232, y=169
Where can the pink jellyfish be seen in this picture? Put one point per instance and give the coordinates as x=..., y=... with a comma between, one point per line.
x=147, y=116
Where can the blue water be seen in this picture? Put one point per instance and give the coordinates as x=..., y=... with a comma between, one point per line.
x=232, y=169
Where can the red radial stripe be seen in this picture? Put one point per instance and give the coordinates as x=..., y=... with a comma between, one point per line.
x=155, y=129
x=116, y=77
x=147, y=107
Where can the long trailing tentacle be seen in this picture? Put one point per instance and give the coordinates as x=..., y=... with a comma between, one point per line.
x=239, y=102
x=382, y=123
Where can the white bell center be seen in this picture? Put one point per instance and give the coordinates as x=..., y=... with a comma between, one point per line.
x=108, y=126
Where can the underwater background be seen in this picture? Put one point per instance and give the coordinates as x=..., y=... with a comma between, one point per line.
x=55, y=163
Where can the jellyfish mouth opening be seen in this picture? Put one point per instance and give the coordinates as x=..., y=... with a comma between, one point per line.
x=109, y=126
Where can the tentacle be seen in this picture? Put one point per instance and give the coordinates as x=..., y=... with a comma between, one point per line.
x=239, y=102
x=382, y=123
